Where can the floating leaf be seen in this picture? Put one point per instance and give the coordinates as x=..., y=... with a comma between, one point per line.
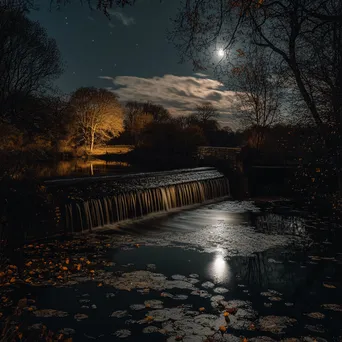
x=149, y=318
x=223, y=329
x=80, y=317
x=333, y=307
x=315, y=315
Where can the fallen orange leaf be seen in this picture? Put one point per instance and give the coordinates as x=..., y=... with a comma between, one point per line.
x=223, y=329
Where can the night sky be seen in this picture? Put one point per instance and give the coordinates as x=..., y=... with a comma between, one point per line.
x=130, y=54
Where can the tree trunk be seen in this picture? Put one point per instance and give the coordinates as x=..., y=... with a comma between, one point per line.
x=92, y=139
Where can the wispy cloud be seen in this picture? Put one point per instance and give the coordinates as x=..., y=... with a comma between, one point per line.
x=179, y=94
x=199, y=74
x=125, y=20
x=91, y=18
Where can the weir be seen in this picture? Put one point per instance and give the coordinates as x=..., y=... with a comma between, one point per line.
x=106, y=200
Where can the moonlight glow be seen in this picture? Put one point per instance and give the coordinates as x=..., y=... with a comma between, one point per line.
x=220, y=52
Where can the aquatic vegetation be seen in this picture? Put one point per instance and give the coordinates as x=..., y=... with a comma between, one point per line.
x=80, y=317
x=49, y=313
x=123, y=333
x=315, y=315
x=275, y=324
x=332, y=307
x=132, y=298
x=119, y=314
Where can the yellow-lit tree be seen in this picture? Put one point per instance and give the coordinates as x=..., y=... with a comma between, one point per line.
x=97, y=116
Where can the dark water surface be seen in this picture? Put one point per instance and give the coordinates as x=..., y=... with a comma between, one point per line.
x=278, y=272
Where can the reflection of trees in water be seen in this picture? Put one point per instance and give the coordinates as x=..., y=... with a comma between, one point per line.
x=276, y=268
x=264, y=272
x=21, y=168
x=277, y=224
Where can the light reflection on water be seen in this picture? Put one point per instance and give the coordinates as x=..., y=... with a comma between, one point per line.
x=219, y=268
x=75, y=167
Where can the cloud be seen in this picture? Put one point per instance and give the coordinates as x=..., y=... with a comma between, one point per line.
x=199, y=74
x=122, y=18
x=179, y=94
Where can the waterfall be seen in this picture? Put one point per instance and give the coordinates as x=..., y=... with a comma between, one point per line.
x=92, y=213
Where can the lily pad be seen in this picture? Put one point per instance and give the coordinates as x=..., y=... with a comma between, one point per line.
x=332, y=307
x=154, y=304
x=80, y=317
x=275, y=324
x=201, y=293
x=50, y=313
x=180, y=297
x=67, y=331
x=315, y=328
x=119, y=314
x=163, y=315
x=137, y=307
x=315, y=315
x=110, y=295
x=178, y=277
x=123, y=333
x=150, y=329
x=275, y=299
x=221, y=290
x=208, y=285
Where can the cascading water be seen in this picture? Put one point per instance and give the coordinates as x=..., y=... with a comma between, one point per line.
x=145, y=195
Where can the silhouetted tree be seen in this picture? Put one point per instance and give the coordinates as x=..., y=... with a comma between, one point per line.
x=306, y=37
x=169, y=144
x=158, y=112
x=29, y=60
x=205, y=112
x=259, y=93
x=135, y=120
x=97, y=116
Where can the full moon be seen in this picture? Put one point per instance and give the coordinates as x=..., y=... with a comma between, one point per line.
x=220, y=52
